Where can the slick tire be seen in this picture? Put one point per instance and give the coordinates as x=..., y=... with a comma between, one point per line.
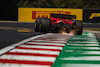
x=79, y=25
x=45, y=25
x=37, y=24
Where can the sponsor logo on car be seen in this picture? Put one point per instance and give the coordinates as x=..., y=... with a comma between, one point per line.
x=36, y=14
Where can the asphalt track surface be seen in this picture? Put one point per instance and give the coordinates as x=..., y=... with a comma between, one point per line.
x=43, y=50
x=11, y=33
x=97, y=25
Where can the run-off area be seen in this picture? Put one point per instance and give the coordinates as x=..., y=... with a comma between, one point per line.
x=53, y=50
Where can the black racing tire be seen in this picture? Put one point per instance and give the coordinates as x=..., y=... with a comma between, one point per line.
x=45, y=25
x=79, y=25
x=37, y=24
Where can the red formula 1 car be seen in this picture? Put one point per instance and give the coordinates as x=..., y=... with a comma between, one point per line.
x=58, y=22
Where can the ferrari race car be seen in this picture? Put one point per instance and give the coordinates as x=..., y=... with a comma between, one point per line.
x=59, y=22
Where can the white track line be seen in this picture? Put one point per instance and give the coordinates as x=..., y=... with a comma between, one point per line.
x=28, y=58
x=4, y=50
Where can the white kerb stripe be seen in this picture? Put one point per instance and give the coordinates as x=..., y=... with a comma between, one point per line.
x=95, y=58
x=84, y=44
x=52, y=39
x=95, y=48
x=49, y=41
x=28, y=58
x=86, y=52
x=43, y=47
x=45, y=43
x=36, y=51
x=92, y=52
x=21, y=65
x=83, y=38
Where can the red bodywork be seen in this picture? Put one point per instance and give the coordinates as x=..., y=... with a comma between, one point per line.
x=58, y=20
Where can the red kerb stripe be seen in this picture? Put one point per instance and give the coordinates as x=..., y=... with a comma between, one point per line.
x=30, y=54
x=37, y=48
x=25, y=62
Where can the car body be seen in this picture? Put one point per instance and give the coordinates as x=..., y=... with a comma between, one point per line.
x=58, y=22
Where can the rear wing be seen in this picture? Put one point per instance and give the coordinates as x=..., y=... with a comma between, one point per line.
x=63, y=16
